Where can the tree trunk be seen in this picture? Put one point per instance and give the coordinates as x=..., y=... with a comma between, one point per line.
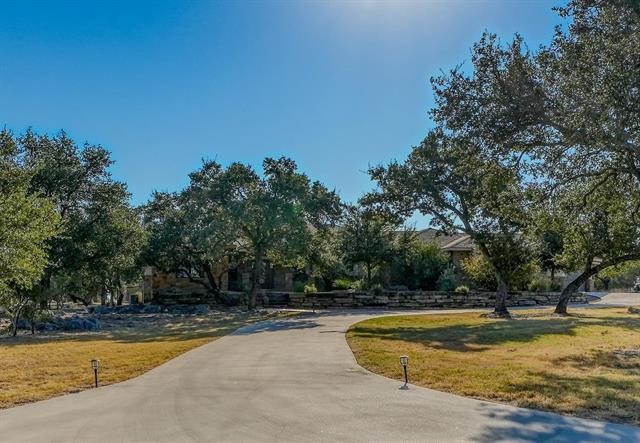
x=328, y=283
x=210, y=285
x=210, y=278
x=255, y=278
x=119, y=289
x=45, y=286
x=368, y=275
x=501, y=297
x=568, y=291
x=502, y=291
x=571, y=288
x=15, y=317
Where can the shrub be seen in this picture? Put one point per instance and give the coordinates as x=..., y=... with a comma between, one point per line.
x=310, y=288
x=462, y=289
x=479, y=270
x=418, y=265
x=540, y=283
x=342, y=283
x=360, y=284
x=621, y=276
x=376, y=289
x=298, y=286
x=448, y=280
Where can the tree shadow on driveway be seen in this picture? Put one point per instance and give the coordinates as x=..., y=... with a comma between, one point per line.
x=523, y=425
x=277, y=325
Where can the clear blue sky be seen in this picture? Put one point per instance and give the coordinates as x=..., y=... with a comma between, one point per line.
x=335, y=85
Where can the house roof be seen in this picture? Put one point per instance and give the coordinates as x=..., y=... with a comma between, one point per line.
x=448, y=242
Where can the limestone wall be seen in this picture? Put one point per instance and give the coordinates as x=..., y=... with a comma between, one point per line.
x=421, y=299
x=362, y=299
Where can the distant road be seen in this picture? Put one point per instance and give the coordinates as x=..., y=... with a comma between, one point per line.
x=620, y=298
x=292, y=380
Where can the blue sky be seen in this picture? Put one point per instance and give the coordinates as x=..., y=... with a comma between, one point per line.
x=162, y=84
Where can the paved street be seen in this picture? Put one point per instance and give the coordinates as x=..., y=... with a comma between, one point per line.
x=291, y=380
x=619, y=299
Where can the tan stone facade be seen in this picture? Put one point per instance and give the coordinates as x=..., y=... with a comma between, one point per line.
x=275, y=278
x=168, y=284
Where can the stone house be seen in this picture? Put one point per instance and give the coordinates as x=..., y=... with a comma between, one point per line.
x=459, y=246
x=180, y=285
x=276, y=278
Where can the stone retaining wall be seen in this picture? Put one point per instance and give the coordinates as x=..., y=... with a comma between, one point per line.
x=419, y=299
x=359, y=299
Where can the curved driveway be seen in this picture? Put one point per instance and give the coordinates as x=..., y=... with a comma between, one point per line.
x=291, y=380
x=619, y=299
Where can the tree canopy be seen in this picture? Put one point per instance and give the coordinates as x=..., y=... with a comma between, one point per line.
x=234, y=211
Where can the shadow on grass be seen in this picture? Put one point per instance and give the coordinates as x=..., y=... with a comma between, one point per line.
x=471, y=337
x=618, y=359
x=593, y=396
x=478, y=336
x=178, y=329
x=522, y=425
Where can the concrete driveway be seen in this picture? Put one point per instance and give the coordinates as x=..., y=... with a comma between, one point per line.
x=619, y=299
x=291, y=380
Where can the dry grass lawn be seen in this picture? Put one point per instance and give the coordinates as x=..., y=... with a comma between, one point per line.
x=587, y=364
x=38, y=367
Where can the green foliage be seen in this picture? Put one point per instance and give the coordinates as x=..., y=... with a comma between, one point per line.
x=234, y=214
x=551, y=246
x=480, y=272
x=360, y=284
x=299, y=286
x=367, y=238
x=622, y=276
x=376, y=289
x=275, y=214
x=310, y=288
x=324, y=259
x=542, y=283
x=99, y=234
x=478, y=268
x=416, y=264
x=462, y=175
x=462, y=289
x=26, y=224
x=596, y=220
x=342, y=284
x=193, y=230
x=569, y=114
x=448, y=280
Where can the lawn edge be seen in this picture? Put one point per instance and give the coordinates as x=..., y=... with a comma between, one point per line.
x=494, y=402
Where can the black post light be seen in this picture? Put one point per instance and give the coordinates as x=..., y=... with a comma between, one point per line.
x=404, y=361
x=95, y=364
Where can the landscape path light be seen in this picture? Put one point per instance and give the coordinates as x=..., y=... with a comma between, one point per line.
x=404, y=361
x=95, y=364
